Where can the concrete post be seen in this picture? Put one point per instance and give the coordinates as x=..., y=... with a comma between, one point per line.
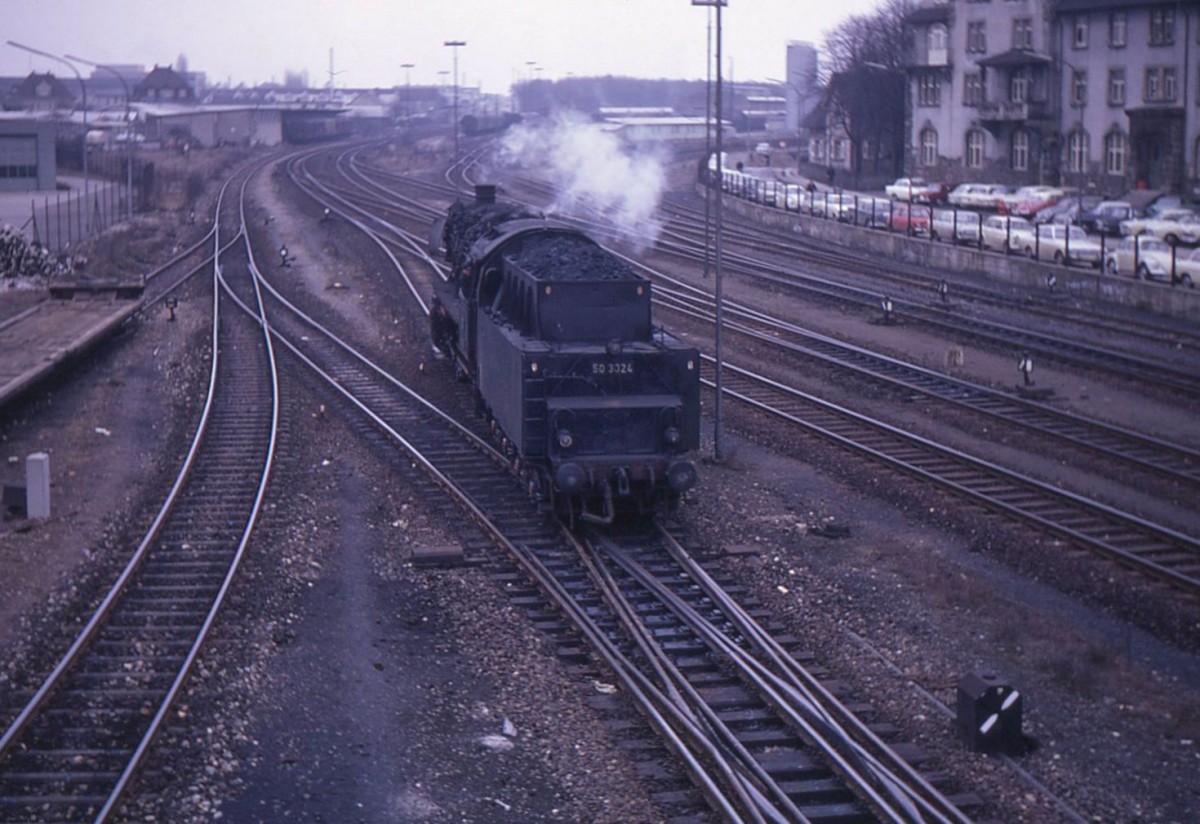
x=37, y=485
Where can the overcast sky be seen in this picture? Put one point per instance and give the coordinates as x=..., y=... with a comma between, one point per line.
x=253, y=41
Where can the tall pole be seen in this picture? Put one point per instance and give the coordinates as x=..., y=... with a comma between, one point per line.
x=128, y=133
x=87, y=210
x=708, y=142
x=454, y=44
x=718, y=420
x=407, y=91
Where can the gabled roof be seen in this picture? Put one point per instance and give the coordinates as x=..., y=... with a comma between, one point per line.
x=42, y=87
x=163, y=82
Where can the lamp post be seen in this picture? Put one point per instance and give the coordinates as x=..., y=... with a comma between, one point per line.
x=128, y=133
x=454, y=44
x=408, y=67
x=87, y=209
x=718, y=424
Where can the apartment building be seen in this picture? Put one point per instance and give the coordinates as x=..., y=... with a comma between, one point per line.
x=1103, y=95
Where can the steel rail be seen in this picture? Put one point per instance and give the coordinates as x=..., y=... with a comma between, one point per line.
x=1110, y=523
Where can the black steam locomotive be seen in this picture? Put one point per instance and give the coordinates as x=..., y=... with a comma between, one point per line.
x=597, y=408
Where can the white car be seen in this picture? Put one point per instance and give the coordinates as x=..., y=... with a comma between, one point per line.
x=1174, y=226
x=1153, y=258
x=1187, y=268
x=1004, y=233
x=956, y=226
x=978, y=195
x=1062, y=244
x=906, y=188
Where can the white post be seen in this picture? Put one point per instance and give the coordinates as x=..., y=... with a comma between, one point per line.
x=37, y=486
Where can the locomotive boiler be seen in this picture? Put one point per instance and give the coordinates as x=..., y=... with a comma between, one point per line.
x=597, y=408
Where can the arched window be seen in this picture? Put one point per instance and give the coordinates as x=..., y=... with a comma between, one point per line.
x=1116, y=149
x=1020, y=150
x=929, y=146
x=1077, y=151
x=975, y=149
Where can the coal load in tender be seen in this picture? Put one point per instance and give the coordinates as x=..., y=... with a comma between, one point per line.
x=559, y=257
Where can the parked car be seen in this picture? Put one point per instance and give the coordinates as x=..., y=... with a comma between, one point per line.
x=912, y=218
x=1039, y=200
x=965, y=195
x=1174, y=226
x=1187, y=268
x=1067, y=210
x=1106, y=218
x=981, y=196
x=1142, y=256
x=905, y=188
x=917, y=190
x=956, y=226
x=1063, y=245
x=1006, y=232
x=1028, y=199
x=874, y=212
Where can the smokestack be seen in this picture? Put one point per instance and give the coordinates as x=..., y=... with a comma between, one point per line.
x=485, y=193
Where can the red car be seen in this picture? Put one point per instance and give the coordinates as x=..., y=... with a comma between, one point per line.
x=915, y=219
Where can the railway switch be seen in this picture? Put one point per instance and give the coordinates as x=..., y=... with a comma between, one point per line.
x=989, y=715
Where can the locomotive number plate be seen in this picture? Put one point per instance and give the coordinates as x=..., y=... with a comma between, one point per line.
x=612, y=368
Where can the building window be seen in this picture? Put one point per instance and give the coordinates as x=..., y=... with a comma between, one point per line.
x=1020, y=151
x=1018, y=86
x=975, y=149
x=1116, y=87
x=1077, y=152
x=936, y=41
x=929, y=90
x=1079, y=88
x=972, y=89
x=1022, y=33
x=1161, y=86
x=929, y=147
x=1080, y=40
x=1117, y=24
x=1115, y=149
x=837, y=151
x=977, y=37
x=1162, y=26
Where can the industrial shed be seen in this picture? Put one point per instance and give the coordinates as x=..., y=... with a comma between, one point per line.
x=27, y=160
x=213, y=125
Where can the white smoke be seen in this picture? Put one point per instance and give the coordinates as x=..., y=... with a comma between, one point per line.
x=593, y=172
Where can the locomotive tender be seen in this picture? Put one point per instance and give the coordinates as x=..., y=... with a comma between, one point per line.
x=597, y=408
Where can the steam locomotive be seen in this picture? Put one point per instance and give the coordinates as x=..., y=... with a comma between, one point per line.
x=596, y=407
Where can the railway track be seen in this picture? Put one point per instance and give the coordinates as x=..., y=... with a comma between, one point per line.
x=461, y=463
x=74, y=748
x=1131, y=541
x=1169, y=460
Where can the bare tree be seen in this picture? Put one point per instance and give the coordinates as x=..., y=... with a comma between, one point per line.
x=878, y=38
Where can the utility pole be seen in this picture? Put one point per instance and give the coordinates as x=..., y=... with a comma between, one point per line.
x=718, y=423
x=128, y=130
x=454, y=44
x=408, y=67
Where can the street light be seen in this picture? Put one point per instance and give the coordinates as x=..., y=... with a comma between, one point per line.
x=408, y=67
x=718, y=435
x=128, y=133
x=454, y=44
x=87, y=209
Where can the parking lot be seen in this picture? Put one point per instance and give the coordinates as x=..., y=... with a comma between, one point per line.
x=1149, y=236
